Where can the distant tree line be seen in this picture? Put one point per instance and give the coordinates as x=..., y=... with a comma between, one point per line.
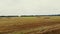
x=37, y=15
x=8, y=16
x=30, y=15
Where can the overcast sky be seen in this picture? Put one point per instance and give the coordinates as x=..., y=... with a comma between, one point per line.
x=29, y=7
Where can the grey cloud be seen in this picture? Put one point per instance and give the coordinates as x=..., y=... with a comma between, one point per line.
x=29, y=7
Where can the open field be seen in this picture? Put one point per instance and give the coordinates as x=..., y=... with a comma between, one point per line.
x=30, y=25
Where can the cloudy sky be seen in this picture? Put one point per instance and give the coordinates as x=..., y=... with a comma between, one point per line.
x=29, y=7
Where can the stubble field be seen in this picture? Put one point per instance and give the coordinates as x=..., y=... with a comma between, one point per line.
x=30, y=25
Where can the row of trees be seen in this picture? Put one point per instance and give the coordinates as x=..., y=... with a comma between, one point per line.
x=37, y=15
x=30, y=15
x=8, y=16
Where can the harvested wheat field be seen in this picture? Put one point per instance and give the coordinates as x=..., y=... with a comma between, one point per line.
x=30, y=25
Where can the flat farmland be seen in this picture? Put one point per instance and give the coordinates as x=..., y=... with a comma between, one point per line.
x=30, y=25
